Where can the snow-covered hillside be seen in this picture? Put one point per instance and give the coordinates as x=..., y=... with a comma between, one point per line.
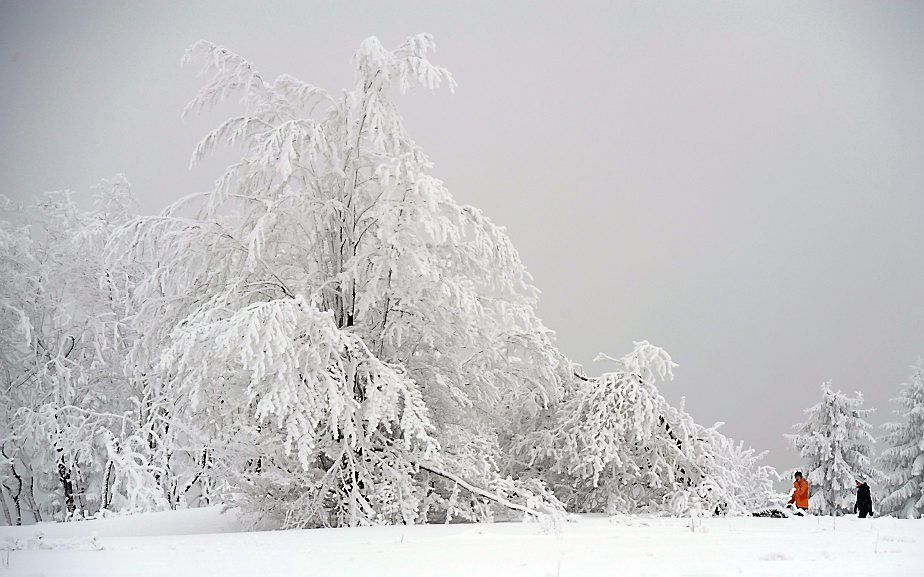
x=205, y=542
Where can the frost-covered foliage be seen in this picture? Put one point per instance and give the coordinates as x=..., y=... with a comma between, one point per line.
x=326, y=338
x=835, y=444
x=72, y=442
x=615, y=444
x=746, y=485
x=902, y=459
x=304, y=417
x=331, y=222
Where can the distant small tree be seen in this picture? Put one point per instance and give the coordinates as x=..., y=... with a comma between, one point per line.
x=835, y=443
x=902, y=461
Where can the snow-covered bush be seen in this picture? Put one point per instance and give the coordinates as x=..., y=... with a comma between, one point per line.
x=835, y=443
x=67, y=407
x=615, y=444
x=902, y=459
x=744, y=484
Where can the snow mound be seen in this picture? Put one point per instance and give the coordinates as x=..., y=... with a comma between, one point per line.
x=159, y=544
x=183, y=522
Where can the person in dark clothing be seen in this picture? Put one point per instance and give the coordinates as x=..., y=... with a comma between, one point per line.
x=864, y=504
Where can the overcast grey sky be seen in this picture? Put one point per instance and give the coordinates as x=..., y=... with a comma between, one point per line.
x=741, y=183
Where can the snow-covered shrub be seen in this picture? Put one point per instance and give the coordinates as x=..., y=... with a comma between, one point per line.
x=742, y=482
x=68, y=402
x=615, y=444
x=835, y=444
x=902, y=459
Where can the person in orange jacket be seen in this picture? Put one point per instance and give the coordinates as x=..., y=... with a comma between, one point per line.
x=801, y=495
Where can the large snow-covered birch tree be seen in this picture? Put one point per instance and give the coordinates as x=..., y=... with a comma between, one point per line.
x=836, y=445
x=902, y=459
x=335, y=321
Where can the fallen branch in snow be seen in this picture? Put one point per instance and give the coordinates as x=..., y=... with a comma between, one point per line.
x=479, y=491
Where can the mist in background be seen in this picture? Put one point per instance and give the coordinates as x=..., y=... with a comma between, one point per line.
x=742, y=184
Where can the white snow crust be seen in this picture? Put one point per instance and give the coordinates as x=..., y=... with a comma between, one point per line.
x=200, y=542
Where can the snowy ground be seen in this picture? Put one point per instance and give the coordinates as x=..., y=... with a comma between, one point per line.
x=203, y=542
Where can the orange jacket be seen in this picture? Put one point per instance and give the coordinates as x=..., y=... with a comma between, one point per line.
x=801, y=495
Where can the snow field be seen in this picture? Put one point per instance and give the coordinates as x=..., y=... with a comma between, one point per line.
x=205, y=542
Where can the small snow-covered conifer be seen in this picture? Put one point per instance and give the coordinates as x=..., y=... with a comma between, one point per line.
x=835, y=443
x=902, y=460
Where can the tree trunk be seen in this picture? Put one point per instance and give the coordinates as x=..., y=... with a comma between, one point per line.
x=107, y=487
x=64, y=476
x=16, y=517
x=30, y=501
x=479, y=491
x=6, y=506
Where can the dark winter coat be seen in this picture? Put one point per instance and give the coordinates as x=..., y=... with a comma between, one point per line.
x=864, y=501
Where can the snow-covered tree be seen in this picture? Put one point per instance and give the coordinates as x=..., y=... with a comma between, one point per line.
x=326, y=338
x=369, y=321
x=67, y=423
x=615, y=444
x=835, y=444
x=902, y=460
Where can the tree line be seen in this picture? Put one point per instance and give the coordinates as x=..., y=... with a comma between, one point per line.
x=836, y=444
